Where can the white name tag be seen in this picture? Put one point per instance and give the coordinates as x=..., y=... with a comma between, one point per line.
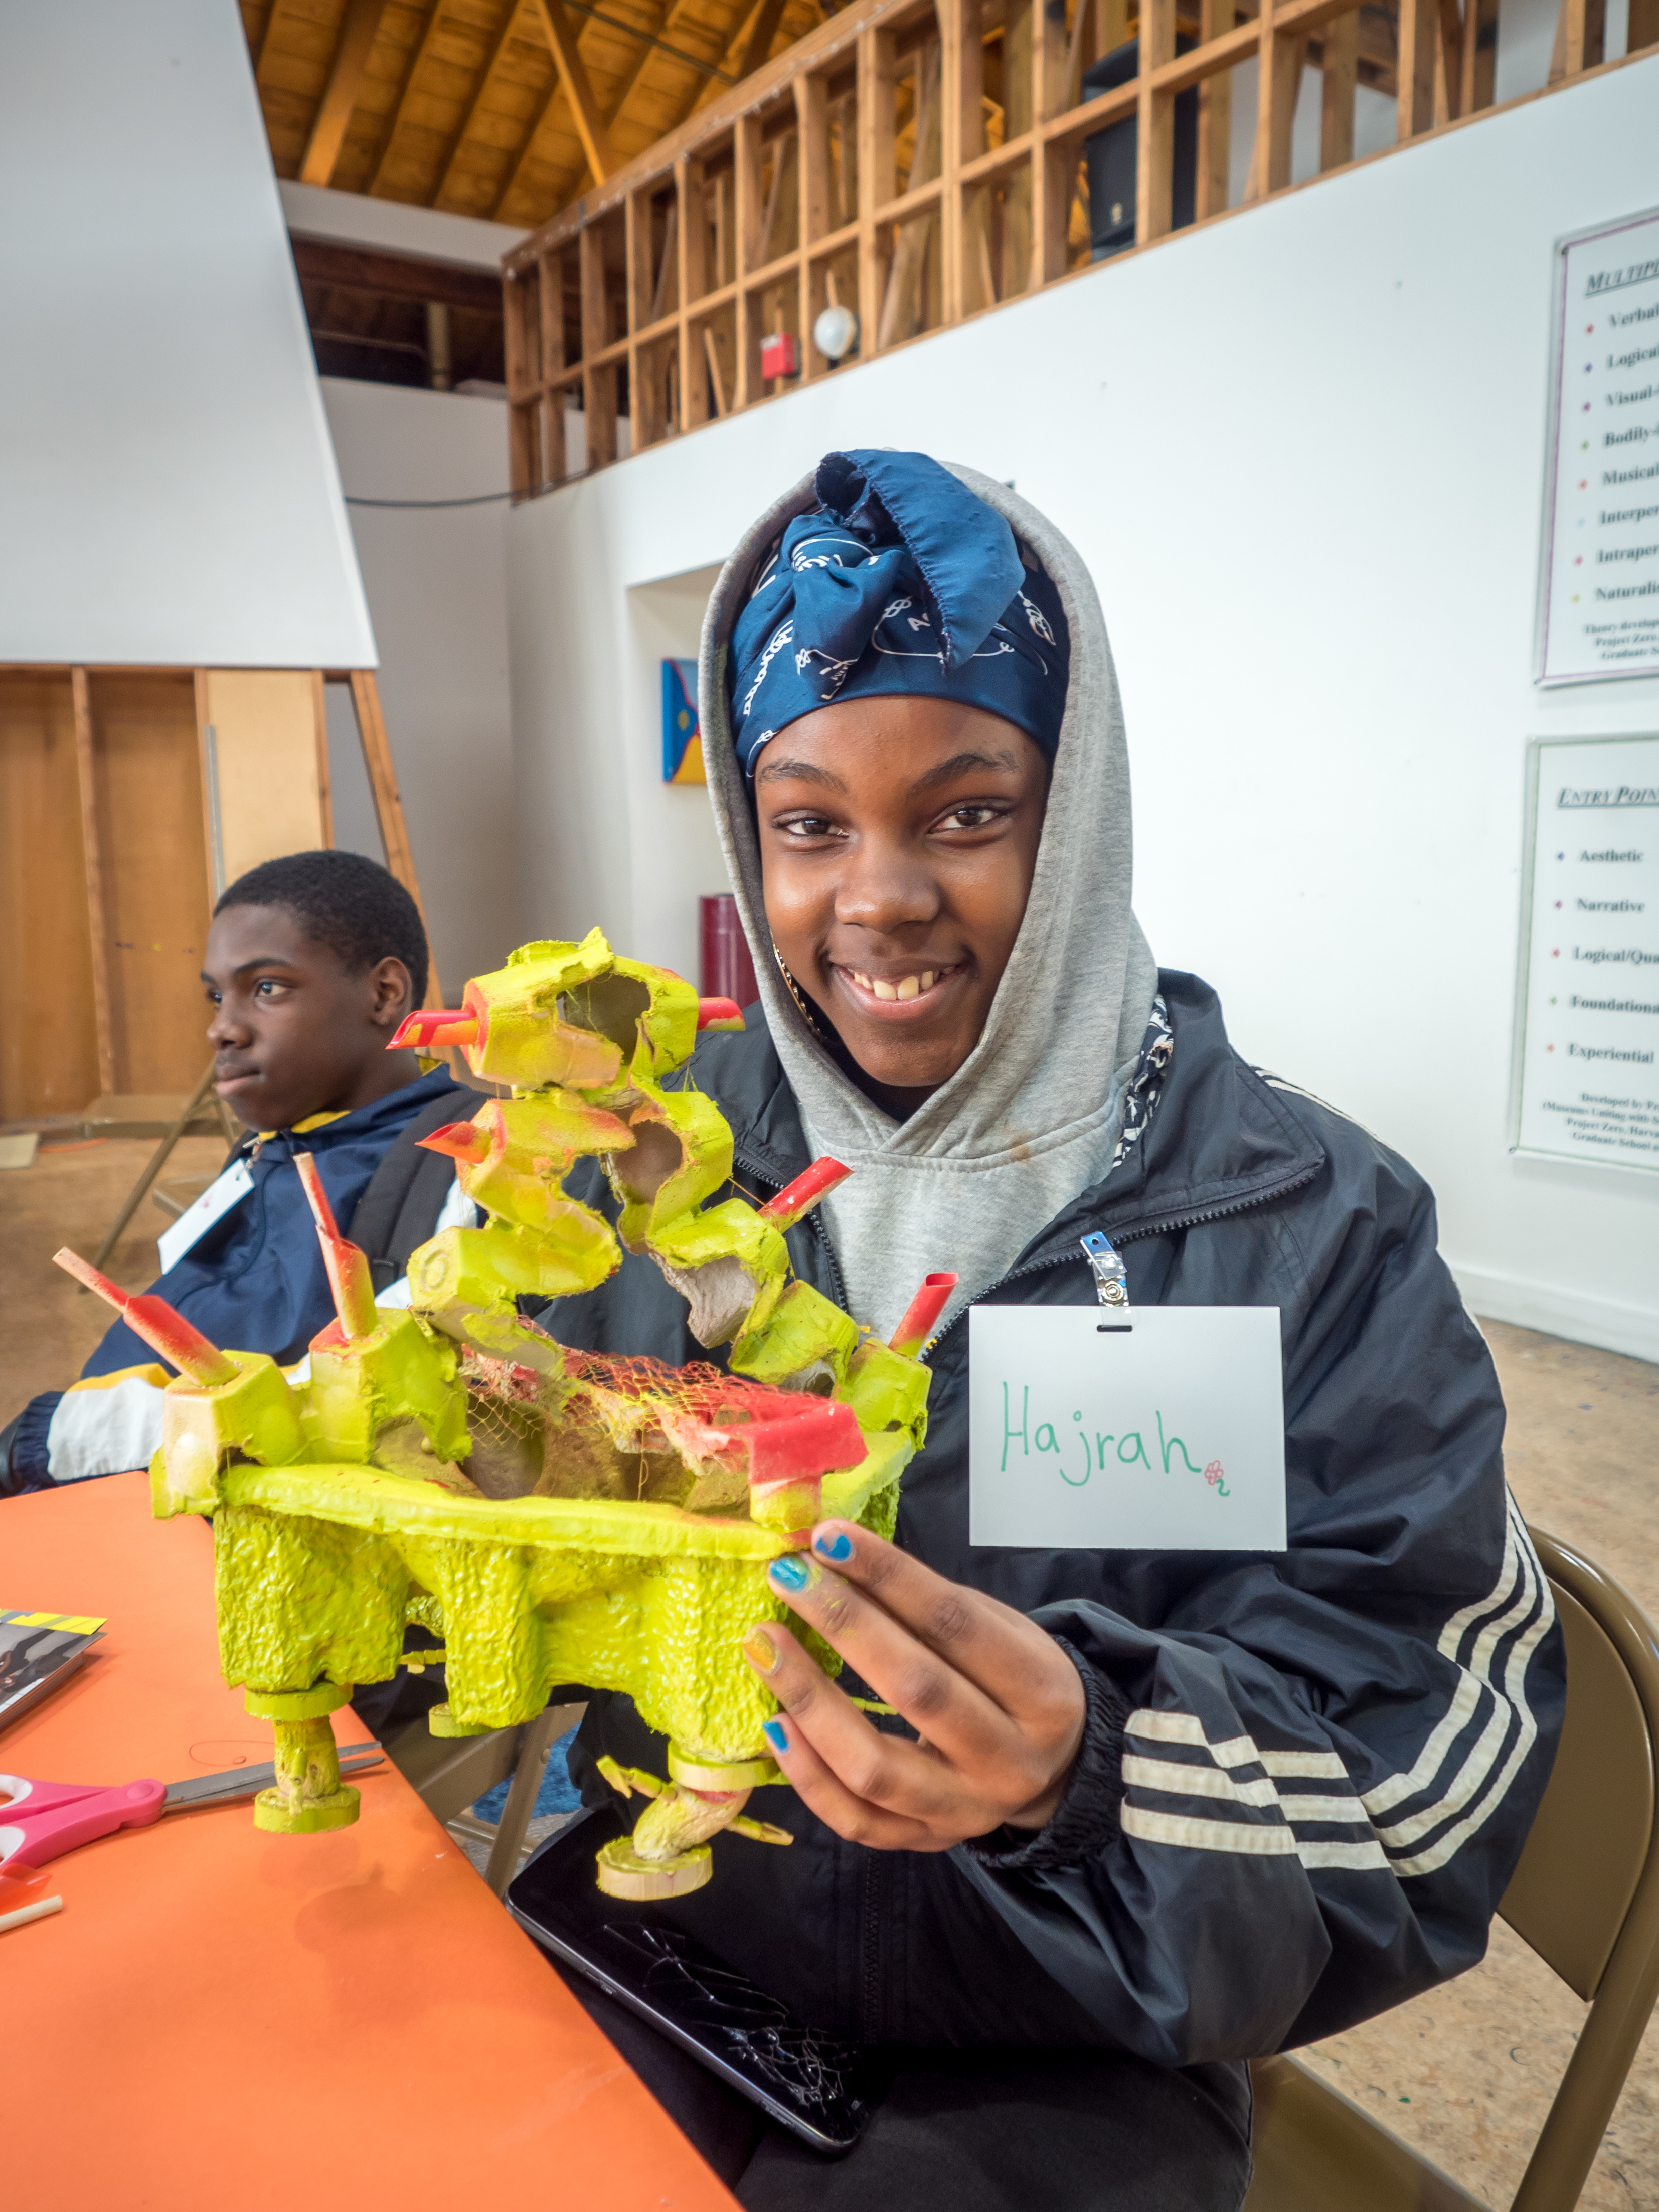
x=1168, y=1437
x=216, y=1201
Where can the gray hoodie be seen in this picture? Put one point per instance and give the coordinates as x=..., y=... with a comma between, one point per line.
x=1032, y=1117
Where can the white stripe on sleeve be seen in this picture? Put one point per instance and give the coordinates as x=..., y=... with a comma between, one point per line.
x=104, y=1428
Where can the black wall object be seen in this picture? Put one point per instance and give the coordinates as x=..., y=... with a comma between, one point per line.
x=1111, y=154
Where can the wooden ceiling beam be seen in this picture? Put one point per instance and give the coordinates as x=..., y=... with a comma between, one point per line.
x=486, y=79
x=359, y=269
x=359, y=29
x=830, y=45
x=429, y=32
x=264, y=47
x=625, y=90
x=665, y=17
x=752, y=22
x=755, y=23
x=544, y=99
x=758, y=49
x=633, y=31
x=579, y=91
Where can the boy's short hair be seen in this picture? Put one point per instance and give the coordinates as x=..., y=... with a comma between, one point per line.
x=353, y=905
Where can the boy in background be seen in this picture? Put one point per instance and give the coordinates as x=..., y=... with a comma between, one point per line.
x=311, y=963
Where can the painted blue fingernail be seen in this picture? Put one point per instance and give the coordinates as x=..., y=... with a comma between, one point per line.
x=837, y=1546
x=791, y=1573
x=776, y=1735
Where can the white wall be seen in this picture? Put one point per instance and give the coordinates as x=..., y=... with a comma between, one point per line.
x=436, y=585
x=394, y=227
x=1303, y=452
x=167, y=487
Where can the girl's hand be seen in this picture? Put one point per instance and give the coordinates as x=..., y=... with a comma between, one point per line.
x=997, y=1703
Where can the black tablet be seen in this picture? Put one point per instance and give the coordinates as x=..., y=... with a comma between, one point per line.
x=809, y=2083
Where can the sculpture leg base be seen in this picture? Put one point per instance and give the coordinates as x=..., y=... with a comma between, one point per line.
x=623, y=1872
x=282, y=1816
x=308, y=1796
x=441, y=1721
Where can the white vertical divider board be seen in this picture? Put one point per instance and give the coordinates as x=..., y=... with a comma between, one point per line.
x=1599, y=589
x=1587, y=1047
x=166, y=474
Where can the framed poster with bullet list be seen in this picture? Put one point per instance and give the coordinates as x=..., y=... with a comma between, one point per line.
x=1598, y=598
x=1587, y=1032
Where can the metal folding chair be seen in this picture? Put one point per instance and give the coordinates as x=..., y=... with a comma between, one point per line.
x=1585, y=1898
x=451, y=1773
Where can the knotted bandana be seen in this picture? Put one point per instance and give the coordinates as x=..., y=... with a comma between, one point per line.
x=903, y=581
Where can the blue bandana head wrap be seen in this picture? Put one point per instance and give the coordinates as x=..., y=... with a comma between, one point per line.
x=903, y=581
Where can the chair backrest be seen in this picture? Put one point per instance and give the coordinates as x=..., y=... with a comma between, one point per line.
x=1586, y=1894
x=1585, y=1897
x=1587, y=1847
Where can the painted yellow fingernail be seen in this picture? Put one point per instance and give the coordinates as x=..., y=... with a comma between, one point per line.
x=759, y=1650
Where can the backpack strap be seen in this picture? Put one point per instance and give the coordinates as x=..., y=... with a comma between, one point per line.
x=400, y=1208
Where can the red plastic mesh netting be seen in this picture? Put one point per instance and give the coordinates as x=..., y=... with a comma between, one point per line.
x=612, y=1426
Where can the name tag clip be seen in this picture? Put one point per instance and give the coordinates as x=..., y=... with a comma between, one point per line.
x=1111, y=1281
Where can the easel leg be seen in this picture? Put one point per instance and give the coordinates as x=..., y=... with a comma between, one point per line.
x=158, y=1160
x=388, y=801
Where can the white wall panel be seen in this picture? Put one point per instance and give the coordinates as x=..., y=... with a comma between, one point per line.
x=166, y=477
x=395, y=227
x=435, y=583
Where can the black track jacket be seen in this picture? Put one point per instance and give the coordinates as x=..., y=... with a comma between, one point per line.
x=1306, y=1776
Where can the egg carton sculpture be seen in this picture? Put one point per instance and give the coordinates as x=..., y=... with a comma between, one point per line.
x=546, y=1515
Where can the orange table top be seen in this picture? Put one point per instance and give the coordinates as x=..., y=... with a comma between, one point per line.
x=222, y=2017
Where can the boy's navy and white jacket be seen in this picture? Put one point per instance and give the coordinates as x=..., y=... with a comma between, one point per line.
x=254, y=1280
x=1306, y=1776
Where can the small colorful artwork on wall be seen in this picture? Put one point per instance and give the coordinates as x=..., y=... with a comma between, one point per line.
x=682, y=739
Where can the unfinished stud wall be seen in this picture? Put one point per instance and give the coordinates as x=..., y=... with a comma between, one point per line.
x=48, y=1031
x=128, y=799
x=924, y=162
x=151, y=879
x=264, y=748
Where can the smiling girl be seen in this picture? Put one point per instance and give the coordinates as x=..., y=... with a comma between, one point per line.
x=1140, y=1816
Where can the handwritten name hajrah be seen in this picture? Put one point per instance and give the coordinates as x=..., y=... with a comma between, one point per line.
x=1089, y=1446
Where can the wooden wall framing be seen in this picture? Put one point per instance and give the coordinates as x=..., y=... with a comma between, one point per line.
x=129, y=798
x=922, y=161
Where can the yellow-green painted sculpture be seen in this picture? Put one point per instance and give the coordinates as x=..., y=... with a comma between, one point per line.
x=549, y=1517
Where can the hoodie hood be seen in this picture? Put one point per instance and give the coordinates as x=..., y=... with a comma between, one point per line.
x=1032, y=1117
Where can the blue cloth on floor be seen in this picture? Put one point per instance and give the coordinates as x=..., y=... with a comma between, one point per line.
x=558, y=1793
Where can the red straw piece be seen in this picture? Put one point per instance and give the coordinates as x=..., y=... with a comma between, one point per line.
x=923, y=1310
x=434, y=1029
x=162, y=1329
x=461, y=1140
x=823, y=1436
x=797, y=1199
x=322, y=1213
x=349, y=1276
x=719, y=1014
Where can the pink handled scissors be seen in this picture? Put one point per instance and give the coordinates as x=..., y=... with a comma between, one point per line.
x=40, y=1821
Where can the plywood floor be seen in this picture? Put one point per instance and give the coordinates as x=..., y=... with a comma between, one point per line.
x=48, y=1323
x=1466, y=2072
